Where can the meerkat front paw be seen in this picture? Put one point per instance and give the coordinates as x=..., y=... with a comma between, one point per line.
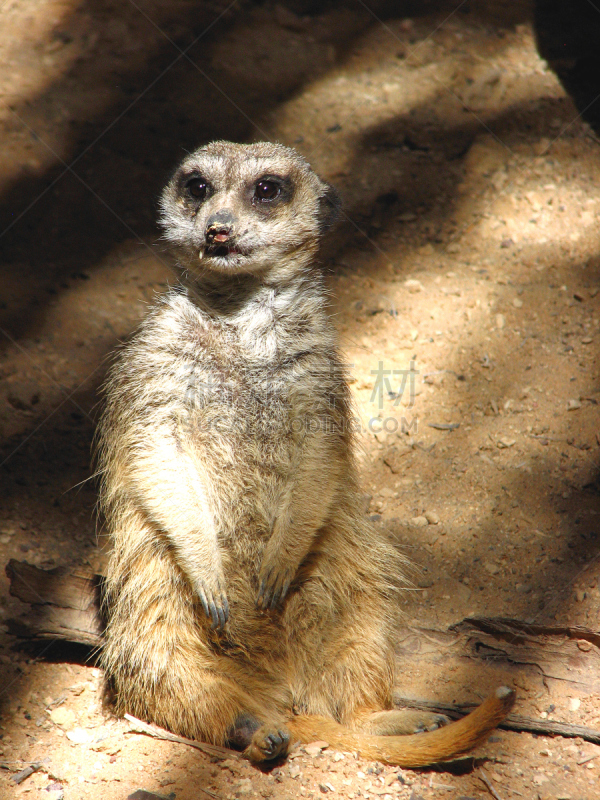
x=214, y=601
x=273, y=583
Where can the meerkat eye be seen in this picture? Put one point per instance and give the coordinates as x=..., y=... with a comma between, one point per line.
x=266, y=191
x=197, y=188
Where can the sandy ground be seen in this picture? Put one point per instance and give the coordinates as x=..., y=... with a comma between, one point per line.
x=465, y=283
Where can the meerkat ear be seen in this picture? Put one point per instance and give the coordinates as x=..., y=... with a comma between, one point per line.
x=330, y=206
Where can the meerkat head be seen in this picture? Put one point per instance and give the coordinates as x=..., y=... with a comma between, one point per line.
x=245, y=208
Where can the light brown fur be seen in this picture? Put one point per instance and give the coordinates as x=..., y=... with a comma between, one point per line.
x=248, y=598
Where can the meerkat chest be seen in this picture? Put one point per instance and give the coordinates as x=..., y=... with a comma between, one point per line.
x=262, y=410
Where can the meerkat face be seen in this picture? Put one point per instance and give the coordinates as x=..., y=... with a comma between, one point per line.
x=234, y=208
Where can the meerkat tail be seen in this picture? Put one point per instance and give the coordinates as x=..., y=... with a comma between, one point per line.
x=415, y=750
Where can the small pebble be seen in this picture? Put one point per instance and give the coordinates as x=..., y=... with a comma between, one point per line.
x=294, y=769
x=315, y=748
x=572, y=405
x=413, y=286
x=79, y=736
x=517, y=302
x=245, y=785
x=540, y=778
x=419, y=522
x=432, y=518
x=523, y=588
x=62, y=716
x=493, y=569
x=500, y=321
x=505, y=443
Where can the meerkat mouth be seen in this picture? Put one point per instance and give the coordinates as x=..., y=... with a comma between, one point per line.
x=221, y=250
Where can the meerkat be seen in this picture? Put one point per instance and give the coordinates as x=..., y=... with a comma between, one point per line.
x=249, y=600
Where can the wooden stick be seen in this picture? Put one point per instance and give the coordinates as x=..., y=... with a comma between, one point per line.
x=138, y=726
x=490, y=786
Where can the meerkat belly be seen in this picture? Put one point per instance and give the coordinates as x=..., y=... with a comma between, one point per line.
x=247, y=448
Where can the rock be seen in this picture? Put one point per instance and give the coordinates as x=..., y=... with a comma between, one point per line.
x=517, y=302
x=419, y=522
x=574, y=703
x=24, y=395
x=294, y=770
x=485, y=156
x=314, y=748
x=493, y=569
x=505, y=443
x=393, y=458
x=500, y=321
x=79, y=736
x=55, y=791
x=573, y=405
x=541, y=147
x=413, y=286
x=432, y=518
x=62, y=716
x=326, y=787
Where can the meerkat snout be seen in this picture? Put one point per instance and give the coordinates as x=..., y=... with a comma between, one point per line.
x=220, y=232
x=219, y=226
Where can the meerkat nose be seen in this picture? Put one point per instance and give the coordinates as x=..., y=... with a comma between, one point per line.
x=219, y=227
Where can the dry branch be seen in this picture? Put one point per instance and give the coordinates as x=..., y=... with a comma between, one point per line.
x=65, y=604
x=138, y=726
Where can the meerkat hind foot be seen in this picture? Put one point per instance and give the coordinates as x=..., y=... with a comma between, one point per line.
x=239, y=736
x=402, y=722
x=268, y=742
